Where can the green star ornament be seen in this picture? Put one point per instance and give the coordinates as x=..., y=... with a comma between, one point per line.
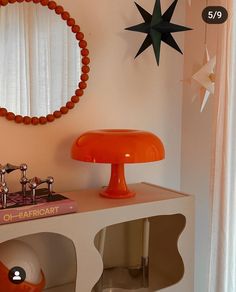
x=158, y=28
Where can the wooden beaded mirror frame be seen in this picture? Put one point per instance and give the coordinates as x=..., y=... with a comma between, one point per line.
x=65, y=16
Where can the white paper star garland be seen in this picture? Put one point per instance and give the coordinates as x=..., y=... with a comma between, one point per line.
x=206, y=78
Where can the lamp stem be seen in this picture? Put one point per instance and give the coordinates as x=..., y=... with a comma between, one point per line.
x=117, y=187
x=117, y=179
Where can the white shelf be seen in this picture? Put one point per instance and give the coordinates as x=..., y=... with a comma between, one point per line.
x=95, y=213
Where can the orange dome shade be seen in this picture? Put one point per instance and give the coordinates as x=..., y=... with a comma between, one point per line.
x=118, y=146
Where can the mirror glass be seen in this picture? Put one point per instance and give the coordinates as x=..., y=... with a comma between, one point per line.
x=40, y=60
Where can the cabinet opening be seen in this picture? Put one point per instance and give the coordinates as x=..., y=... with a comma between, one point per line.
x=57, y=257
x=141, y=255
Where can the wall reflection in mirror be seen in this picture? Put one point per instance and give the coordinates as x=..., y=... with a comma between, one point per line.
x=40, y=62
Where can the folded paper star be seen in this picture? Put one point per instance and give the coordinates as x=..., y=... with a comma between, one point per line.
x=206, y=78
x=158, y=28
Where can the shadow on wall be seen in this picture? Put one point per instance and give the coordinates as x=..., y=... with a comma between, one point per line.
x=166, y=264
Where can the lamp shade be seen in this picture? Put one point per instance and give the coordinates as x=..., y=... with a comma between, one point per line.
x=117, y=146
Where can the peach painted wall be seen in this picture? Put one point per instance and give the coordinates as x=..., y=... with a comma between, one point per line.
x=197, y=135
x=122, y=93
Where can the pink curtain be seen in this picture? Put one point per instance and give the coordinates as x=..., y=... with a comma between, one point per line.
x=222, y=271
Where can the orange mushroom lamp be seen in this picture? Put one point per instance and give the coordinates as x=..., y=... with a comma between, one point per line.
x=117, y=147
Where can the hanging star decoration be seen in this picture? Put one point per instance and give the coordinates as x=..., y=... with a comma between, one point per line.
x=206, y=78
x=158, y=28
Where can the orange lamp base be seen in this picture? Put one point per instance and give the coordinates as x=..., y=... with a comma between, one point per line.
x=117, y=188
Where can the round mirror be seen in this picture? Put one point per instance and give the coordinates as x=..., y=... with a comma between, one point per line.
x=43, y=61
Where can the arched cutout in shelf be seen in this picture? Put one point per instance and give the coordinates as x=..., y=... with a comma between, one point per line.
x=57, y=257
x=122, y=255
